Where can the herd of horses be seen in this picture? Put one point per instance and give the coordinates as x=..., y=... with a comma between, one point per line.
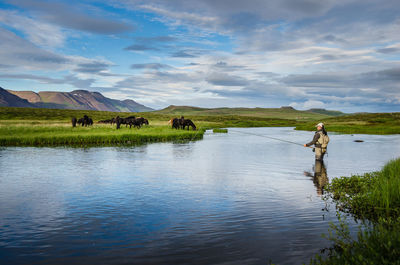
x=181, y=123
x=84, y=121
x=176, y=123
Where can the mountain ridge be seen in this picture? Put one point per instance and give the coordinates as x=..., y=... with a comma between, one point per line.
x=76, y=99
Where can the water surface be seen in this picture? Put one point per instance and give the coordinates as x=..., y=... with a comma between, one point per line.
x=227, y=199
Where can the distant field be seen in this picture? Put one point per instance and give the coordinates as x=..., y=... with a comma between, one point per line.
x=276, y=113
x=370, y=123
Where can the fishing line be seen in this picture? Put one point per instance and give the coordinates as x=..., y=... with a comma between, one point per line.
x=269, y=137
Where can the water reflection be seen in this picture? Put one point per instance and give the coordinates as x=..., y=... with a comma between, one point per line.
x=228, y=199
x=319, y=176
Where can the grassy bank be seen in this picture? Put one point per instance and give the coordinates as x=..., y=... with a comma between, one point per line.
x=64, y=134
x=373, y=199
x=370, y=123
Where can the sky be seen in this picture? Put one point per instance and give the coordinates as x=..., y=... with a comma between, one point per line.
x=333, y=54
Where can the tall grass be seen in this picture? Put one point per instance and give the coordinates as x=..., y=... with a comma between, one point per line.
x=372, y=195
x=373, y=198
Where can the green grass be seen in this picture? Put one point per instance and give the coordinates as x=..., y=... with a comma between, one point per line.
x=217, y=130
x=370, y=196
x=370, y=123
x=374, y=199
x=104, y=135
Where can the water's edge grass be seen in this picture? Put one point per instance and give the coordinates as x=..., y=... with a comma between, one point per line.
x=373, y=199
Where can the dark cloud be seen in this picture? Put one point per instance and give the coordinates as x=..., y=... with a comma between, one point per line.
x=183, y=54
x=71, y=17
x=226, y=67
x=18, y=52
x=332, y=38
x=153, y=66
x=222, y=79
x=156, y=43
x=92, y=67
x=140, y=47
x=388, y=50
x=42, y=79
x=69, y=79
x=156, y=39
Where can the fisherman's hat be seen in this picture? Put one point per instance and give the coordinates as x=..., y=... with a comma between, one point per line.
x=319, y=125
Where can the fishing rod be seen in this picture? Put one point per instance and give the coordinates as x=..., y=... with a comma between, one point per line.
x=269, y=137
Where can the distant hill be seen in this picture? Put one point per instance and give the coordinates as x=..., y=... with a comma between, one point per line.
x=281, y=113
x=77, y=99
x=327, y=112
x=8, y=99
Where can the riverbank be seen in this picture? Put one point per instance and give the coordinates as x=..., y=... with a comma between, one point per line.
x=57, y=134
x=374, y=200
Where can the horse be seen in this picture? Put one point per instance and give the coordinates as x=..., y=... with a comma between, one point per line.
x=188, y=123
x=181, y=121
x=73, y=121
x=136, y=123
x=176, y=124
x=85, y=121
x=142, y=121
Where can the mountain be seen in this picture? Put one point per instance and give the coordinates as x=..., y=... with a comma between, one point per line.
x=327, y=112
x=8, y=99
x=77, y=99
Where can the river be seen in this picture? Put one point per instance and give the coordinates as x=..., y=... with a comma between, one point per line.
x=227, y=199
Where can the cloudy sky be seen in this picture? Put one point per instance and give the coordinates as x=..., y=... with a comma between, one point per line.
x=334, y=54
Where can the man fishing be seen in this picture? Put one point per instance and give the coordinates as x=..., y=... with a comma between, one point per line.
x=320, y=141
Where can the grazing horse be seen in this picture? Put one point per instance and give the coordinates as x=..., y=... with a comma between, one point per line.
x=142, y=121
x=181, y=121
x=73, y=121
x=188, y=123
x=85, y=121
x=135, y=123
x=118, y=121
x=176, y=124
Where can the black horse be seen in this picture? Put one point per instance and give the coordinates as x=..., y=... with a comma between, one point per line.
x=74, y=121
x=127, y=121
x=85, y=121
x=188, y=123
x=135, y=123
x=176, y=124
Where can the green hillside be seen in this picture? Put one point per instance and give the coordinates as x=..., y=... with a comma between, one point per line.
x=279, y=113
